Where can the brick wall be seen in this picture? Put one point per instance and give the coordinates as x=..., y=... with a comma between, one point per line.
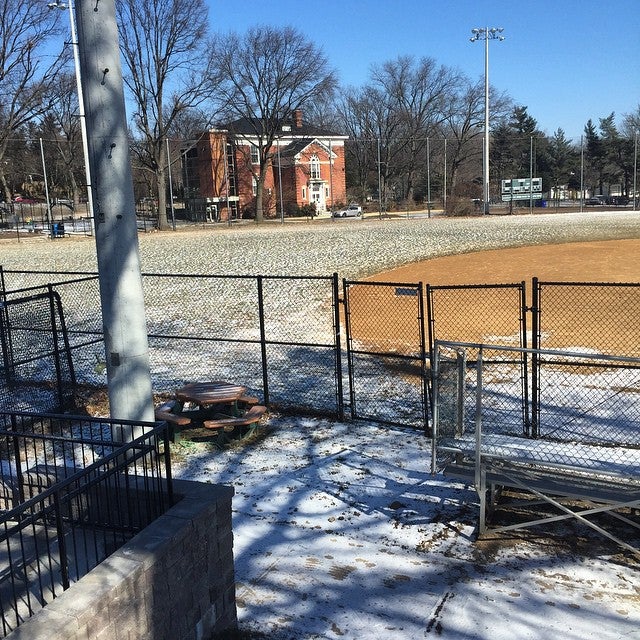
x=173, y=581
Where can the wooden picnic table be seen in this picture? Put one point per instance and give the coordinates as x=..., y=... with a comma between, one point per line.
x=206, y=394
x=218, y=406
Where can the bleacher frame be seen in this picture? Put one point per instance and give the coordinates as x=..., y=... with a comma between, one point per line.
x=583, y=457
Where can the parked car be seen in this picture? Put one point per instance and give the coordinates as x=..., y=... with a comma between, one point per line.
x=353, y=210
x=63, y=202
x=618, y=201
x=595, y=201
x=24, y=200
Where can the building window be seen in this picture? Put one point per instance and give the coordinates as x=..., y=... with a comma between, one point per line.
x=304, y=193
x=255, y=155
x=254, y=186
x=314, y=168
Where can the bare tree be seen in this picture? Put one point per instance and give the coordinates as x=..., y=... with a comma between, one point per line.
x=355, y=119
x=631, y=123
x=420, y=93
x=465, y=125
x=164, y=47
x=264, y=76
x=26, y=30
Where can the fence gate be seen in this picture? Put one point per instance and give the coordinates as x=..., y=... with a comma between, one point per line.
x=482, y=314
x=591, y=317
x=386, y=352
x=37, y=371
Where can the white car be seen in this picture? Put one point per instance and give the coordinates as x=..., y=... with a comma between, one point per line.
x=352, y=211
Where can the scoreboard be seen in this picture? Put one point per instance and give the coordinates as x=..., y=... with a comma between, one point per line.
x=521, y=189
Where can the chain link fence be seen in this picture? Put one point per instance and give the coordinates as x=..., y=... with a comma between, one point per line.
x=36, y=355
x=279, y=335
x=587, y=316
x=493, y=314
x=386, y=351
x=589, y=417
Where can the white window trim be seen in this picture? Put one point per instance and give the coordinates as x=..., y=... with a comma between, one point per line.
x=315, y=172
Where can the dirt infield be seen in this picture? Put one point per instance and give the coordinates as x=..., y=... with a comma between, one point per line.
x=605, y=261
x=604, y=319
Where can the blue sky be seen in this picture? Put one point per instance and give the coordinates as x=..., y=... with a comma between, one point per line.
x=566, y=60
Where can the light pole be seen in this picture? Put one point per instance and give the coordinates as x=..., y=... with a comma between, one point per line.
x=486, y=34
x=83, y=123
x=635, y=171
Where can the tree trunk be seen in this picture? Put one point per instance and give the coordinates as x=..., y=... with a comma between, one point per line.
x=260, y=195
x=161, y=181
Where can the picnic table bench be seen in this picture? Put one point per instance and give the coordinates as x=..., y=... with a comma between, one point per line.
x=169, y=412
x=216, y=406
x=252, y=416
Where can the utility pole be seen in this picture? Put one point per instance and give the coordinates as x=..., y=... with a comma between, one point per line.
x=123, y=317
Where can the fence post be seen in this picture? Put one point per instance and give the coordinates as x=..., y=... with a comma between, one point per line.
x=167, y=465
x=17, y=461
x=535, y=356
x=524, y=362
x=338, y=347
x=426, y=387
x=347, y=328
x=5, y=331
x=263, y=342
x=56, y=349
x=62, y=545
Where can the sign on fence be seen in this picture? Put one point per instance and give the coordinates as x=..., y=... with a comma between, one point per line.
x=521, y=189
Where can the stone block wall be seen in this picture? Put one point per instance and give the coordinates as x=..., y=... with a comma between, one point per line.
x=173, y=581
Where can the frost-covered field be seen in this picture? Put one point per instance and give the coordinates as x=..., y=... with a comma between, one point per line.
x=353, y=248
x=339, y=529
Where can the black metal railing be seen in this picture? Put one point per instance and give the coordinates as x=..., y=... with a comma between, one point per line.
x=72, y=491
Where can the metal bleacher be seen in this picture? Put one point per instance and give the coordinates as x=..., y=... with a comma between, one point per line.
x=562, y=427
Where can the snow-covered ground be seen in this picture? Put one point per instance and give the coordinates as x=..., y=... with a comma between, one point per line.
x=353, y=248
x=340, y=531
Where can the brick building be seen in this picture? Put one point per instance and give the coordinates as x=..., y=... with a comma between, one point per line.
x=306, y=167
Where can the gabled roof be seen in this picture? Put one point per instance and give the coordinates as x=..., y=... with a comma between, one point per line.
x=249, y=126
x=297, y=146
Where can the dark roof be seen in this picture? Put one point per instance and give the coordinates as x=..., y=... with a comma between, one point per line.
x=295, y=147
x=249, y=126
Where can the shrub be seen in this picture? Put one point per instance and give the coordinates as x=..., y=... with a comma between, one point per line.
x=294, y=210
x=461, y=207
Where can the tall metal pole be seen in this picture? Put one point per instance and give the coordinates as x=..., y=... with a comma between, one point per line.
x=581, y=173
x=330, y=176
x=121, y=293
x=379, y=184
x=83, y=121
x=635, y=172
x=444, y=183
x=428, y=179
x=530, y=174
x=173, y=211
x=280, y=183
x=485, y=154
x=486, y=34
x=226, y=179
x=46, y=182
